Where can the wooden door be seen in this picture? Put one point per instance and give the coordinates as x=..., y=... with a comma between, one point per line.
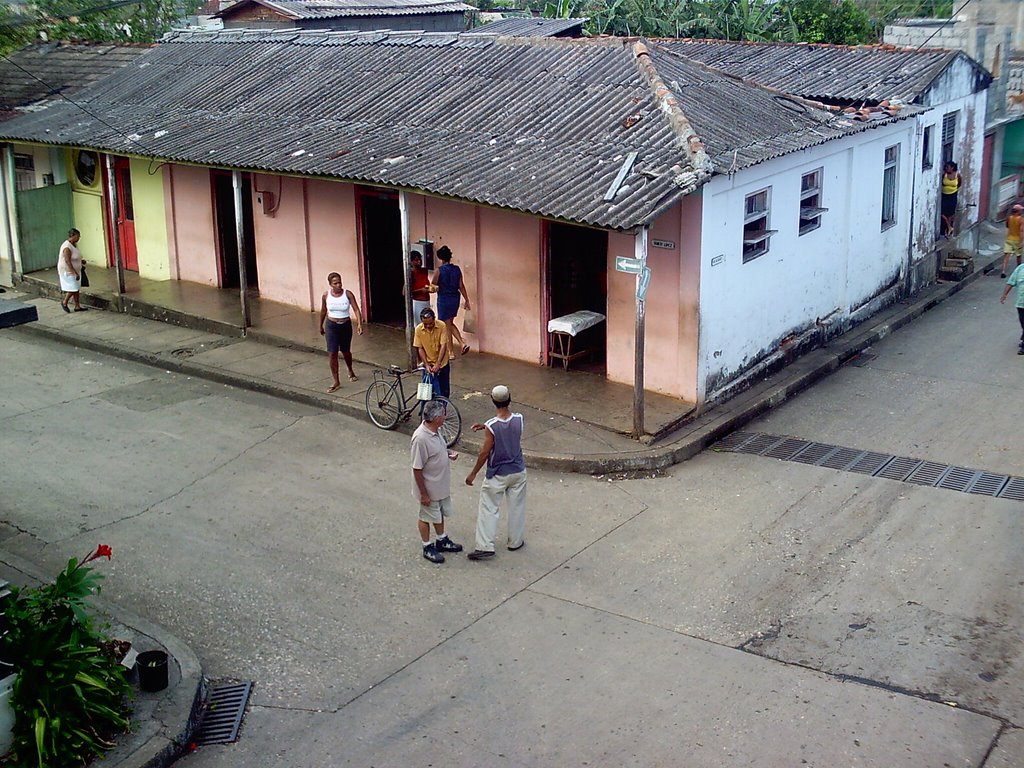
x=125, y=214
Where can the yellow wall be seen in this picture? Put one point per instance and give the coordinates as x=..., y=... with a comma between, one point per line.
x=87, y=204
x=150, y=221
x=88, y=208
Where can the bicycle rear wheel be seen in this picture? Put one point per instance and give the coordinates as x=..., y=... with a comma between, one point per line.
x=382, y=404
x=451, y=430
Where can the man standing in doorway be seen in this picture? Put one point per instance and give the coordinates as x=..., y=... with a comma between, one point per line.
x=505, y=478
x=432, y=481
x=431, y=343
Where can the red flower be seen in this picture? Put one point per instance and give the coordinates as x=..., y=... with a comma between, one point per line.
x=103, y=550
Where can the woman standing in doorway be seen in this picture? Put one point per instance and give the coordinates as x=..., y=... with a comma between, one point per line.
x=69, y=270
x=449, y=285
x=951, y=181
x=338, y=310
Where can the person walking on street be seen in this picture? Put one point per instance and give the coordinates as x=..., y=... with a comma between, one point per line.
x=502, y=451
x=69, y=270
x=432, y=346
x=1016, y=279
x=432, y=481
x=338, y=311
x=449, y=284
x=1014, y=231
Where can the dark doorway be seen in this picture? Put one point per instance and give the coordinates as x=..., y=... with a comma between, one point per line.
x=578, y=279
x=227, y=238
x=382, y=257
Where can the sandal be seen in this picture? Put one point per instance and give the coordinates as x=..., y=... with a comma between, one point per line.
x=353, y=377
x=65, y=308
x=465, y=349
x=334, y=388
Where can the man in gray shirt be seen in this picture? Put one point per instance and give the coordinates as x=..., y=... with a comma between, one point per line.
x=502, y=451
x=432, y=481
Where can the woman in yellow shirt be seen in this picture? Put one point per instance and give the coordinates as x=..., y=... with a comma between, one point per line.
x=951, y=181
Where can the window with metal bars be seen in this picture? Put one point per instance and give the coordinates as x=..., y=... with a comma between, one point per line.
x=24, y=172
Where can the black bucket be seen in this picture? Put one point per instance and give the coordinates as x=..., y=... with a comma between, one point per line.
x=152, y=666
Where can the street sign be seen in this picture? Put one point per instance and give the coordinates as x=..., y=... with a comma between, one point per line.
x=628, y=265
x=641, y=286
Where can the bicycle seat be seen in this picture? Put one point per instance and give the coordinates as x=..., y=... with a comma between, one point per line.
x=394, y=370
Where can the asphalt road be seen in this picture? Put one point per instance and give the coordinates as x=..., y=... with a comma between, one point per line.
x=734, y=611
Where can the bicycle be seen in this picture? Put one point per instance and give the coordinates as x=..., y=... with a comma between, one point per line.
x=387, y=404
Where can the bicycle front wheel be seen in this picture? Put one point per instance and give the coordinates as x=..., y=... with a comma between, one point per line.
x=451, y=430
x=382, y=404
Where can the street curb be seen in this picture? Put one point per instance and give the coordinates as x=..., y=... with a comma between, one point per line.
x=180, y=708
x=695, y=436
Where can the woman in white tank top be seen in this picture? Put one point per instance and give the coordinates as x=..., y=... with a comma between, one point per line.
x=338, y=311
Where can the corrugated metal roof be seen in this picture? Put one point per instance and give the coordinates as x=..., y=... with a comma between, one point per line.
x=539, y=125
x=536, y=27
x=333, y=9
x=50, y=70
x=828, y=73
x=742, y=125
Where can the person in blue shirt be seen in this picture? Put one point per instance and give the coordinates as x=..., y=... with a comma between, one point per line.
x=1016, y=279
x=449, y=285
x=502, y=451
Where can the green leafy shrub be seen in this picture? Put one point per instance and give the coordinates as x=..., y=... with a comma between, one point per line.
x=70, y=696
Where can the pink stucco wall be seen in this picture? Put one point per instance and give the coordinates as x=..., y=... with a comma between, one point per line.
x=671, y=312
x=333, y=241
x=193, y=242
x=508, y=285
x=172, y=248
x=281, y=241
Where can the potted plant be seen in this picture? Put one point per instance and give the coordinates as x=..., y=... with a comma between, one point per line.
x=70, y=695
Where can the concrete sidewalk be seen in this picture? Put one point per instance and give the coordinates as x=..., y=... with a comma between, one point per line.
x=552, y=441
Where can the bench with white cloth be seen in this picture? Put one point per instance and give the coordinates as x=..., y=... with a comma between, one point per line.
x=564, y=329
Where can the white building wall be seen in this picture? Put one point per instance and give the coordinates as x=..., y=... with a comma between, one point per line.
x=809, y=283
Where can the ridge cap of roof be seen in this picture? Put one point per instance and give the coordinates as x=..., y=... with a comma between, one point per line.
x=665, y=99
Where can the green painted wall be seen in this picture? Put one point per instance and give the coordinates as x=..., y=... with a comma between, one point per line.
x=1013, y=147
x=150, y=221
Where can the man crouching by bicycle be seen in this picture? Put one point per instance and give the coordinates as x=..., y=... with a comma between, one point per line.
x=432, y=480
x=431, y=343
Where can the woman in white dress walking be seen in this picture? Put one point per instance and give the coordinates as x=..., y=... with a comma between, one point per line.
x=69, y=269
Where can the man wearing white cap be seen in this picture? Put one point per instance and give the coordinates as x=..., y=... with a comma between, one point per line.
x=502, y=451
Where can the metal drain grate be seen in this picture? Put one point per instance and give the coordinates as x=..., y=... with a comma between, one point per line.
x=224, y=712
x=901, y=468
x=1014, y=489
